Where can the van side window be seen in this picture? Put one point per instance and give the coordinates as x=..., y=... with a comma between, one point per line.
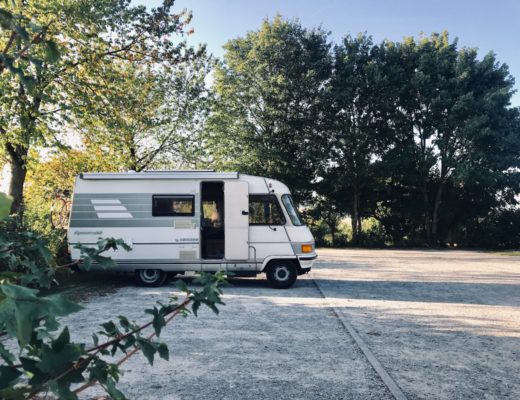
x=170, y=205
x=264, y=209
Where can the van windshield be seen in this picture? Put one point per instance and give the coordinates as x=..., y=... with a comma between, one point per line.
x=291, y=210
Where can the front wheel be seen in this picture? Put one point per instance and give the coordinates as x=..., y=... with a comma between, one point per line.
x=150, y=277
x=282, y=274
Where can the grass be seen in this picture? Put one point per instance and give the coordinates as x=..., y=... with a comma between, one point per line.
x=515, y=253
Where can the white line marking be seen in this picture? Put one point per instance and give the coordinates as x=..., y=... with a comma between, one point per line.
x=110, y=208
x=107, y=201
x=385, y=377
x=114, y=215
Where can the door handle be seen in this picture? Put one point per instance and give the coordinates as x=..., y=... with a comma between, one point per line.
x=245, y=212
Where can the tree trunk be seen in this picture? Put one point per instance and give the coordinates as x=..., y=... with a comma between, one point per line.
x=332, y=228
x=436, y=211
x=355, y=215
x=427, y=223
x=17, y=161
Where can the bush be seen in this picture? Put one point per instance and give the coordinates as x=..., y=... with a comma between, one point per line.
x=500, y=229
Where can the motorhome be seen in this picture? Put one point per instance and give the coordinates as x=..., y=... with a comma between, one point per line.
x=178, y=221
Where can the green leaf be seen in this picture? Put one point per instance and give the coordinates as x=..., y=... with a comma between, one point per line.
x=62, y=391
x=163, y=351
x=23, y=309
x=148, y=349
x=8, y=376
x=62, y=340
x=6, y=355
x=12, y=393
x=52, y=53
x=56, y=361
x=21, y=32
x=113, y=391
x=29, y=82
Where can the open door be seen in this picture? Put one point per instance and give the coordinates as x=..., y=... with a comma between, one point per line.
x=236, y=226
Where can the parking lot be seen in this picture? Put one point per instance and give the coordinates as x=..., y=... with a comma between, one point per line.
x=440, y=324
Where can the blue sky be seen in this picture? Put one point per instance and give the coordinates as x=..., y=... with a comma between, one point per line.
x=486, y=25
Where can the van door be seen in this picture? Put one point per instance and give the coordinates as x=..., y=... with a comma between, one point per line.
x=236, y=223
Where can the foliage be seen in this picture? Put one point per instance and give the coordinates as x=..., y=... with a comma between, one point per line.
x=45, y=180
x=357, y=126
x=454, y=136
x=155, y=115
x=25, y=254
x=5, y=205
x=270, y=96
x=499, y=229
x=56, y=56
x=46, y=356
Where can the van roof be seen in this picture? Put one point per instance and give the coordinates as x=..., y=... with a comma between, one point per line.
x=171, y=174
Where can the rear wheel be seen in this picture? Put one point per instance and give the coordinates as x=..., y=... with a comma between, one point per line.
x=150, y=277
x=281, y=274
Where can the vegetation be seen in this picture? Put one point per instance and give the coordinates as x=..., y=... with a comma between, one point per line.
x=418, y=136
x=46, y=360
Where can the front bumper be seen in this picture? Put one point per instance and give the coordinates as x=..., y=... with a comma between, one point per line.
x=306, y=262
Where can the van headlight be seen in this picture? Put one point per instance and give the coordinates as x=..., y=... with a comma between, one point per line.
x=306, y=248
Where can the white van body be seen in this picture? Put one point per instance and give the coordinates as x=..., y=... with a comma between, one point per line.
x=177, y=221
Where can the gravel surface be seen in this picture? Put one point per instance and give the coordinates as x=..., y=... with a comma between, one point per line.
x=445, y=325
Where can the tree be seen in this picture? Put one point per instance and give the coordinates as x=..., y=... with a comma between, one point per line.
x=357, y=125
x=56, y=52
x=269, y=107
x=453, y=125
x=155, y=116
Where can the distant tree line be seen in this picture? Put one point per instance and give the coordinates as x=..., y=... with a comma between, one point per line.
x=414, y=141
x=418, y=136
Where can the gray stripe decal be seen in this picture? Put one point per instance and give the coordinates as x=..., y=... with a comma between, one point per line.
x=118, y=223
x=129, y=207
x=136, y=214
x=118, y=196
x=139, y=243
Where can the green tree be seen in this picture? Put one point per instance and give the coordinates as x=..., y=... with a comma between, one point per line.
x=269, y=106
x=155, y=114
x=54, y=53
x=453, y=126
x=357, y=127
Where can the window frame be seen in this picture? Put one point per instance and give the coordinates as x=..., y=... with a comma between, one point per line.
x=189, y=197
x=293, y=206
x=277, y=204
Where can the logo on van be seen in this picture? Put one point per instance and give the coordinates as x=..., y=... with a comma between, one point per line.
x=187, y=240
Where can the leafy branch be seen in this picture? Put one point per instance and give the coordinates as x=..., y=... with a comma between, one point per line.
x=47, y=361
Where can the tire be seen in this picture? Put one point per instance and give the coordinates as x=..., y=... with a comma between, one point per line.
x=150, y=277
x=281, y=274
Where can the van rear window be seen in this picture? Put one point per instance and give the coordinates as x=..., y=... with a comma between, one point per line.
x=168, y=205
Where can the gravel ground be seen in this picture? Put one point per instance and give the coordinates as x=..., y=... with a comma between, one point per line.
x=445, y=325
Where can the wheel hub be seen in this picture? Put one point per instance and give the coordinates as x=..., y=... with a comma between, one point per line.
x=281, y=273
x=149, y=275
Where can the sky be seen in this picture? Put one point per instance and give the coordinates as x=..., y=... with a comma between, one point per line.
x=486, y=25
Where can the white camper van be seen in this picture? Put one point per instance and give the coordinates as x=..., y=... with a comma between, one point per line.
x=177, y=221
